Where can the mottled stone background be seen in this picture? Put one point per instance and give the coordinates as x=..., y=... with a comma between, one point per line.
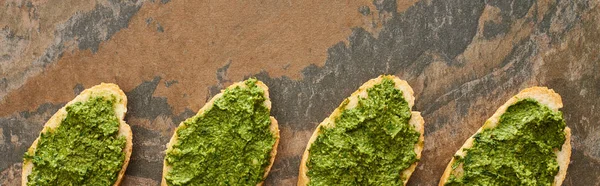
x=463, y=58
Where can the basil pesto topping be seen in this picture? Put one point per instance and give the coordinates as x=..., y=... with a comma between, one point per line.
x=84, y=149
x=518, y=151
x=228, y=144
x=370, y=144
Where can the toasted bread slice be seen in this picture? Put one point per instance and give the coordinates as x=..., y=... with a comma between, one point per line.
x=274, y=128
x=120, y=105
x=544, y=96
x=416, y=121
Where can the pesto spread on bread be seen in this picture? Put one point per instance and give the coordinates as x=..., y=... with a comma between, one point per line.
x=228, y=144
x=370, y=144
x=520, y=150
x=85, y=149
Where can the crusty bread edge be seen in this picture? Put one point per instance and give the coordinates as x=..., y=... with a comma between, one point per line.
x=545, y=97
x=104, y=89
x=274, y=127
x=416, y=120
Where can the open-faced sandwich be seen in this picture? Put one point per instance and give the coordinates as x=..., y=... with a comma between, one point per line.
x=372, y=138
x=526, y=142
x=231, y=141
x=87, y=142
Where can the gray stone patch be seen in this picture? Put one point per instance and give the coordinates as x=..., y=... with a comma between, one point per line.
x=142, y=104
x=222, y=79
x=171, y=82
x=492, y=29
x=510, y=10
x=287, y=162
x=561, y=18
x=78, y=89
x=147, y=156
x=364, y=10
x=89, y=29
x=159, y=28
x=582, y=170
x=148, y=20
x=386, y=6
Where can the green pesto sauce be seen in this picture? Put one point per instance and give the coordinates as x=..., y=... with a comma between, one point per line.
x=84, y=149
x=229, y=144
x=370, y=144
x=518, y=151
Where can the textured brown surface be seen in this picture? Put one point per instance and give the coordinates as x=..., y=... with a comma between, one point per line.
x=463, y=58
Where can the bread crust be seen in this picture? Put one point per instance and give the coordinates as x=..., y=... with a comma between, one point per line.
x=274, y=127
x=416, y=120
x=545, y=97
x=105, y=90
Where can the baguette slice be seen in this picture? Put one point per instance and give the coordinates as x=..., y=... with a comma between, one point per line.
x=104, y=90
x=416, y=121
x=545, y=97
x=274, y=128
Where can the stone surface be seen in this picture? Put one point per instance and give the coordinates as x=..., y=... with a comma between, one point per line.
x=463, y=58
